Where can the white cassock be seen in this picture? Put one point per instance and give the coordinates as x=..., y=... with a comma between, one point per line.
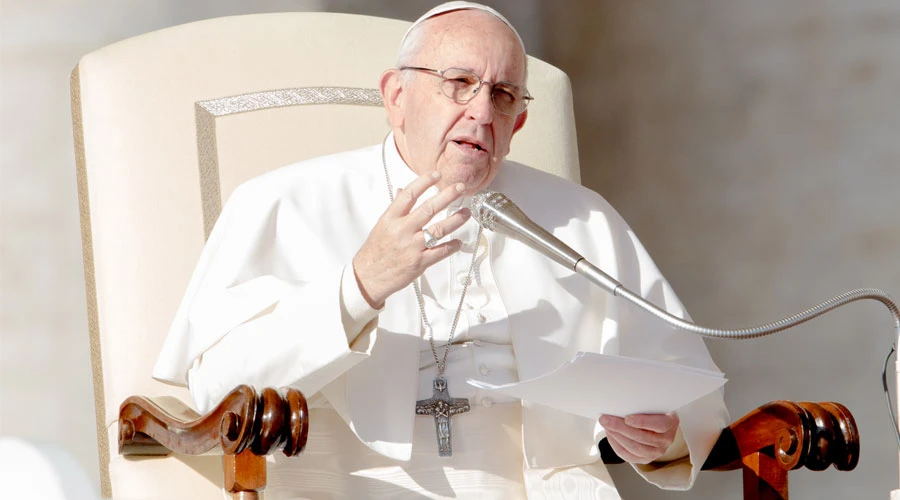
x=272, y=296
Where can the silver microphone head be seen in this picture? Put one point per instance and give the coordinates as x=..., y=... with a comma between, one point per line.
x=496, y=212
x=484, y=206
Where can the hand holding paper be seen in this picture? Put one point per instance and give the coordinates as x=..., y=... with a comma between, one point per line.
x=594, y=384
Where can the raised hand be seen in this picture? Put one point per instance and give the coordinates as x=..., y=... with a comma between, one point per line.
x=394, y=254
x=640, y=438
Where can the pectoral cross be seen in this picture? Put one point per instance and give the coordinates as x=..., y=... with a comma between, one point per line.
x=442, y=406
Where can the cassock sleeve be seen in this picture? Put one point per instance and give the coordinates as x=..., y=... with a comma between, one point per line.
x=255, y=312
x=701, y=421
x=589, y=319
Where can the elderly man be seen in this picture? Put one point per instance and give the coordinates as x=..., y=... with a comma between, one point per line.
x=359, y=279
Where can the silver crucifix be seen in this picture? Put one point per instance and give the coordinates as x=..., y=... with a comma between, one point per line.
x=442, y=406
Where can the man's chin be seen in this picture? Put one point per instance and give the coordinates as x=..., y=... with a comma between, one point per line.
x=476, y=180
x=470, y=187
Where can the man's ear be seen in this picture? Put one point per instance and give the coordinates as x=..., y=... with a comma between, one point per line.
x=520, y=121
x=391, y=86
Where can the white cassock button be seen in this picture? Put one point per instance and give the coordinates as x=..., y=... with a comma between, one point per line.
x=484, y=370
x=468, y=306
x=487, y=403
x=481, y=318
x=461, y=278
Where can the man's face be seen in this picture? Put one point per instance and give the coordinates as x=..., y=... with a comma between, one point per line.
x=465, y=142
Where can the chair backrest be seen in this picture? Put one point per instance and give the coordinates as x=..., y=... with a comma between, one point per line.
x=168, y=123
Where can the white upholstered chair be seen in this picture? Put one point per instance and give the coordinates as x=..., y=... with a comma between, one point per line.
x=166, y=125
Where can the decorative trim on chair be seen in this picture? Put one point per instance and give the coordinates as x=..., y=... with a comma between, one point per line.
x=207, y=111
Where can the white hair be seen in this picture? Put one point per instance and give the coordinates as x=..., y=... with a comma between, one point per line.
x=410, y=46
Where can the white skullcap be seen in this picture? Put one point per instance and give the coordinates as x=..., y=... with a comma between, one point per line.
x=460, y=5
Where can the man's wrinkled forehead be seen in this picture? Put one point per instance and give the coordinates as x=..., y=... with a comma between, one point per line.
x=456, y=6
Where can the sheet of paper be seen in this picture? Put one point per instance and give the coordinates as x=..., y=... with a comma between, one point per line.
x=593, y=384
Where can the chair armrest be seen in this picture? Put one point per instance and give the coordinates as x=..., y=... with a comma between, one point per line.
x=811, y=435
x=776, y=438
x=244, y=420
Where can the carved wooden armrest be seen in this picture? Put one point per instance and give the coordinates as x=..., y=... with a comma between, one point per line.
x=776, y=438
x=246, y=426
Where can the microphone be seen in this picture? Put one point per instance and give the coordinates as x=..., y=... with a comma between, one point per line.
x=495, y=212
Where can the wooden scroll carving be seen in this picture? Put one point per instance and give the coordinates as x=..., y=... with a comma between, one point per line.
x=776, y=438
x=246, y=426
x=782, y=436
x=766, y=443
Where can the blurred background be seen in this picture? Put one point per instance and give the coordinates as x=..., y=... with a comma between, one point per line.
x=752, y=145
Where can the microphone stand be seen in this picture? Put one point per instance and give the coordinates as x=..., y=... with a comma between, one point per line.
x=496, y=212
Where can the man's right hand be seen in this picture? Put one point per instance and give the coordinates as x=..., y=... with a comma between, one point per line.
x=394, y=254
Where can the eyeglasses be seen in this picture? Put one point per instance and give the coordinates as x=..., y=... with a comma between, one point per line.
x=462, y=86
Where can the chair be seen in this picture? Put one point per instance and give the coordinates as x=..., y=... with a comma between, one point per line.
x=166, y=125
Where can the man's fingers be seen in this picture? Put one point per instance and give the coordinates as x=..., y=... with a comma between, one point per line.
x=660, y=423
x=434, y=255
x=631, y=451
x=620, y=426
x=432, y=206
x=448, y=225
x=395, y=252
x=406, y=198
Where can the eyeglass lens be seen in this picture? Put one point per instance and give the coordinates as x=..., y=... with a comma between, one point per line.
x=461, y=86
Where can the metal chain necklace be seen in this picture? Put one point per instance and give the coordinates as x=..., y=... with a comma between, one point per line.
x=440, y=404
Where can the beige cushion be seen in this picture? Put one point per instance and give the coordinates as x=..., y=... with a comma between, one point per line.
x=144, y=107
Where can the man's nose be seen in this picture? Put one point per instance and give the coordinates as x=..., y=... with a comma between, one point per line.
x=481, y=108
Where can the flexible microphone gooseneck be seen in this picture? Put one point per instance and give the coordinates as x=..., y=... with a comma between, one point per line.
x=495, y=212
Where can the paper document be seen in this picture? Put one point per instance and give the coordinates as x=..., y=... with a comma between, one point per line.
x=593, y=384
